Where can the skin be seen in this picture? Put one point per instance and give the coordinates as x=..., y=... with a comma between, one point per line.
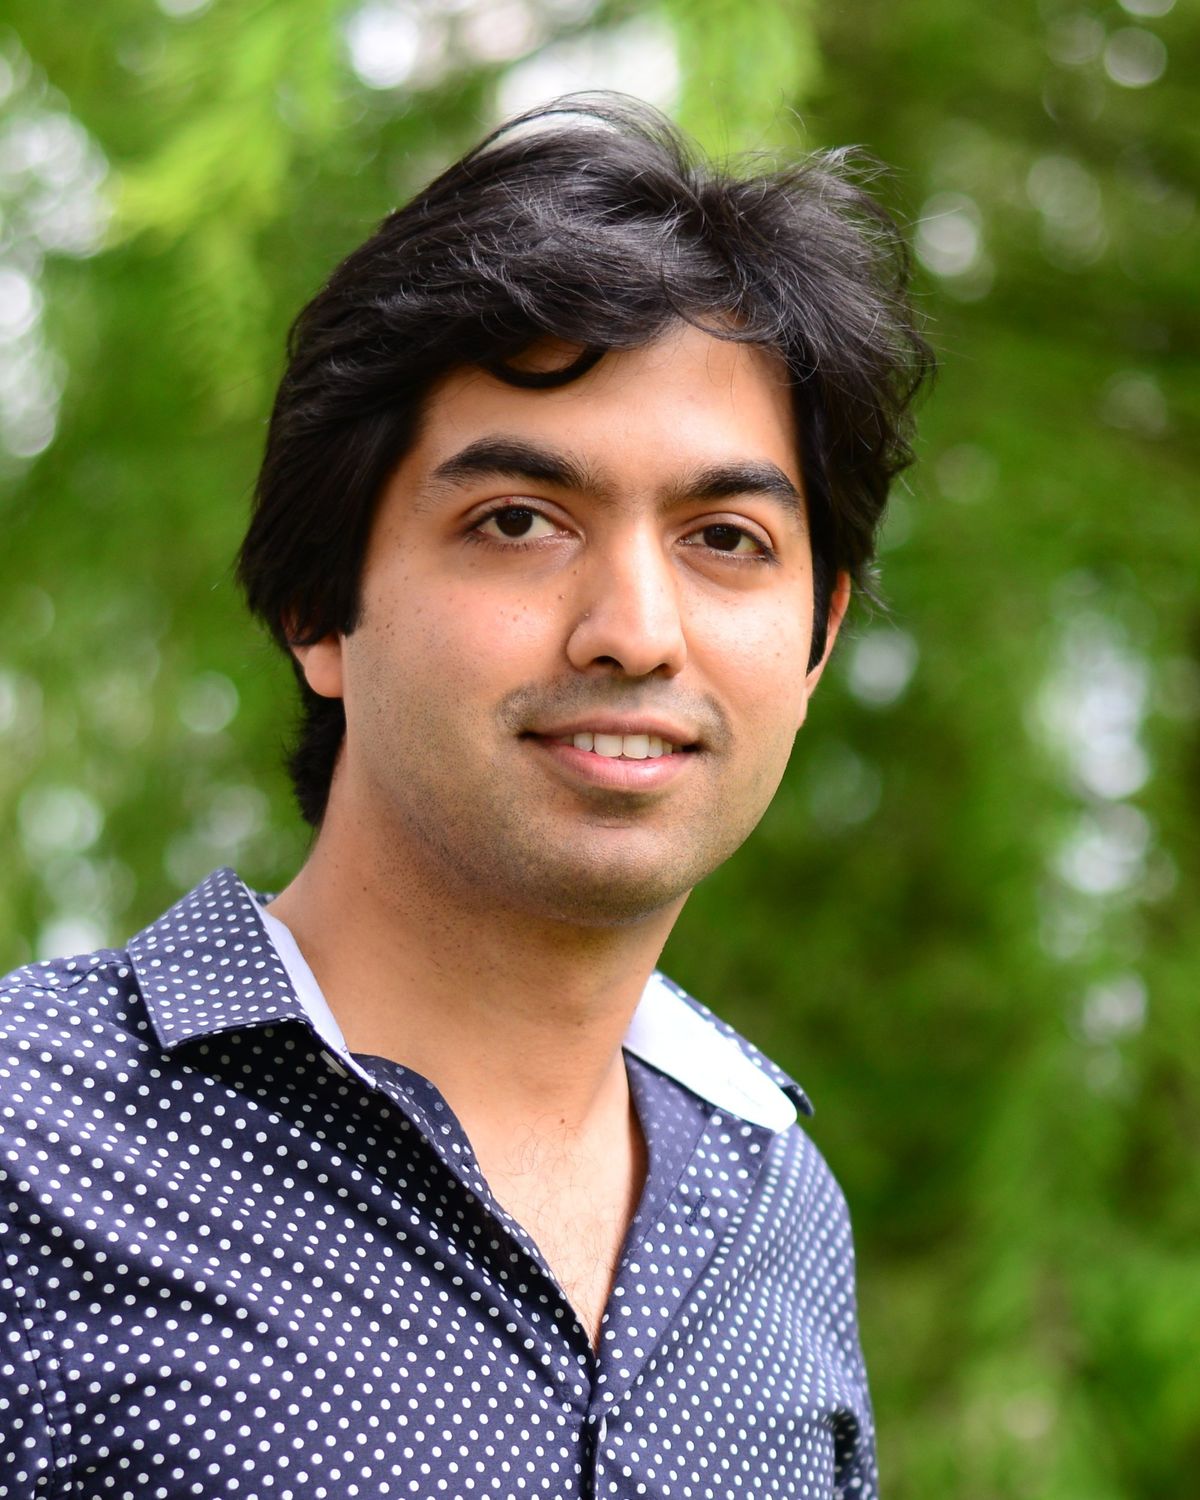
x=483, y=903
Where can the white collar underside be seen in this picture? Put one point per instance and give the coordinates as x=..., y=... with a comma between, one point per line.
x=665, y=1032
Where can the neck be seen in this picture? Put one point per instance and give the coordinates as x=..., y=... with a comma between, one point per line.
x=517, y=1018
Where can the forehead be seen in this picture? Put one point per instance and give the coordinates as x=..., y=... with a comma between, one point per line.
x=686, y=399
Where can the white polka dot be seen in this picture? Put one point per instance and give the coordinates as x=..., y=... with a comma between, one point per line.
x=228, y=1266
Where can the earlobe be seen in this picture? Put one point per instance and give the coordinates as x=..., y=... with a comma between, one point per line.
x=839, y=602
x=321, y=664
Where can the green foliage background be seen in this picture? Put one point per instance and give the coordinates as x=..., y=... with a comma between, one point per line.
x=969, y=924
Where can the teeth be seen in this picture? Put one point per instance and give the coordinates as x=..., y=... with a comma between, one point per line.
x=629, y=746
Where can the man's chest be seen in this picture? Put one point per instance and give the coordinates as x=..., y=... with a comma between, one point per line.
x=214, y=1273
x=575, y=1196
x=580, y=1229
x=237, y=1293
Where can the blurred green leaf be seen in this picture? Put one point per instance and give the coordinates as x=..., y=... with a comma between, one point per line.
x=970, y=922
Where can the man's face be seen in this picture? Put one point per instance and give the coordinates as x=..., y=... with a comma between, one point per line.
x=586, y=614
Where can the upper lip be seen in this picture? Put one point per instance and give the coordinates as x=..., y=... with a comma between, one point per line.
x=622, y=724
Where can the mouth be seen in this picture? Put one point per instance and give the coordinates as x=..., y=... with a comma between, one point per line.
x=621, y=746
x=617, y=759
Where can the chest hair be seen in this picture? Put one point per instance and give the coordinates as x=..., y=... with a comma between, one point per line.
x=576, y=1205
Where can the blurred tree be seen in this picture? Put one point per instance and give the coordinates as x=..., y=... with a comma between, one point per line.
x=969, y=923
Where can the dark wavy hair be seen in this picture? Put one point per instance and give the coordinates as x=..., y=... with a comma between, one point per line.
x=595, y=221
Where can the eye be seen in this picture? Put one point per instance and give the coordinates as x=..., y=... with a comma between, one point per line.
x=516, y=523
x=722, y=536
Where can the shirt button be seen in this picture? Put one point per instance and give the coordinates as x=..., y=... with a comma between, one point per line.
x=602, y=1430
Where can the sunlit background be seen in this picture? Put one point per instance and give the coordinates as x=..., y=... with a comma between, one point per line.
x=971, y=924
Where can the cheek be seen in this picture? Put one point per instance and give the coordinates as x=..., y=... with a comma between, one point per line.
x=456, y=641
x=497, y=635
x=763, y=660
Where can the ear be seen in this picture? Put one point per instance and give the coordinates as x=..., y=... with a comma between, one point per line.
x=321, y=664
x=839, y=602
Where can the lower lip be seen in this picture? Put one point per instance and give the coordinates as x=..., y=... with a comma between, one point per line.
x=615, y=771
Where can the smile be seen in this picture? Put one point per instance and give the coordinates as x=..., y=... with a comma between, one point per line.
x=625, y=763
x=620, y=746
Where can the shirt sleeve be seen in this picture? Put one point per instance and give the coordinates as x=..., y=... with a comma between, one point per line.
x=856, y=1473
x=26, y=1445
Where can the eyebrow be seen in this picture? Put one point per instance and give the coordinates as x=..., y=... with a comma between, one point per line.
x=515, y=458
x=753, y=477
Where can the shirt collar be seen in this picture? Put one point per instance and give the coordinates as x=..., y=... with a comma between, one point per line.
x=208, y=965
x=217, y=962
x=682, y=1038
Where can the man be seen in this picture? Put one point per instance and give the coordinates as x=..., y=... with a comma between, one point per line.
x=418, y=1179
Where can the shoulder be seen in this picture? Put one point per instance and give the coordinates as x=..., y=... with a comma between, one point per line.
x=803, y=1180
x=67, y=1008
x=682, y=1038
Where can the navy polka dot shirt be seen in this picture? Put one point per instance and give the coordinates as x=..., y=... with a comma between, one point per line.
x=236, y=1260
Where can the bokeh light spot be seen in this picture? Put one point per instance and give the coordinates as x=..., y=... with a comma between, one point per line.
x=1074, y=40
x=1114, y=1008
x=1105, y=853
x=845, y=789
x=58, y=820
x=639, y=57
x=1135, y=58
x=500, y=31
x=1092, y=707
x=966, y=473
x=69, y=933
x=1134, y=400
x=384, y=42
x=181, y=10
x=880, y=666
x=208, y=703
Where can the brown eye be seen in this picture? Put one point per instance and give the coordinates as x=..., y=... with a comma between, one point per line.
x=721, y=537
x=516, y=522
x=513, y=522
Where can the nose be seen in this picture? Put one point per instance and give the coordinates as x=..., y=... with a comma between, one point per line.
x=630, y=617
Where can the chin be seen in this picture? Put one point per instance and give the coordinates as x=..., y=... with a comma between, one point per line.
x=611, y=892
x=610, y=906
